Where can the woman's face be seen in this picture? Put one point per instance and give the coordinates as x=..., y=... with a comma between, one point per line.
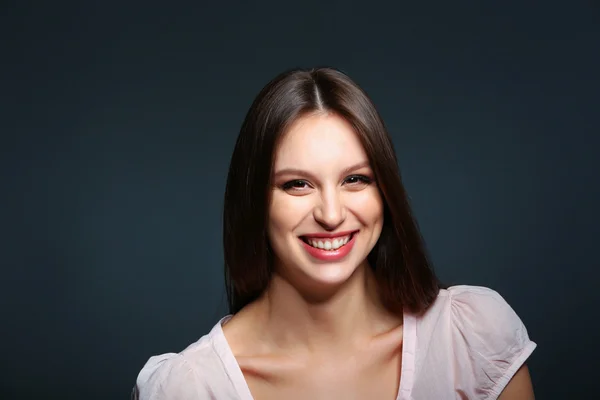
x=326, y=213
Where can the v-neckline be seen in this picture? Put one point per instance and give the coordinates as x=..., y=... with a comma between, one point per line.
x=236, y=376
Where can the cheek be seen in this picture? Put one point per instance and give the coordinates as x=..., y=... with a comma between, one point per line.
x=368, y=206
x=285, y=214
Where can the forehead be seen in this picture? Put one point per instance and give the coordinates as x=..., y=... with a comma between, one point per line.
x=319, y=140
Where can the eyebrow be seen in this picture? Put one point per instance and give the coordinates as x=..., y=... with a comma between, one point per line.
x=295, y=171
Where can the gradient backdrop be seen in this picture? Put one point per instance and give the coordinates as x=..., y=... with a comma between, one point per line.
x=118, y=120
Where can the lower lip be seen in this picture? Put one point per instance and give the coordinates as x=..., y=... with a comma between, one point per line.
x=330, y=255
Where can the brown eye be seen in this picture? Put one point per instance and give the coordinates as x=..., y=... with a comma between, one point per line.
x=297, y=184
x=358, y=180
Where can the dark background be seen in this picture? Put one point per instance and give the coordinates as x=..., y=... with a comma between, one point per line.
x=118, y=120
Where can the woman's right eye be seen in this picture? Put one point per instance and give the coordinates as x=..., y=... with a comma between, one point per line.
x=296, y=184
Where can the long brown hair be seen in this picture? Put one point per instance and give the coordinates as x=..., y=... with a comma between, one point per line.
x=399, y=259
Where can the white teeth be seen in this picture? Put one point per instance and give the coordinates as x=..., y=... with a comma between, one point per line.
x=329, y=244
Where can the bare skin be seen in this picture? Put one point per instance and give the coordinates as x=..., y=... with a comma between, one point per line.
x=287, y=354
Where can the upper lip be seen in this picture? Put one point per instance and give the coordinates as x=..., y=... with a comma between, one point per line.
x=326, y=235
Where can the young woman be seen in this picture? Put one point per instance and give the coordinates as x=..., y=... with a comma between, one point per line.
x=330, y=289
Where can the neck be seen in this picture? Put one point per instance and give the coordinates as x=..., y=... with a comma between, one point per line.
x=342, y=318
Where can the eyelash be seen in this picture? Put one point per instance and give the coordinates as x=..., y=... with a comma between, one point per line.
x=361, y=178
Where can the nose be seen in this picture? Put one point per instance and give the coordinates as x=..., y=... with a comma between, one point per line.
x=330, y=212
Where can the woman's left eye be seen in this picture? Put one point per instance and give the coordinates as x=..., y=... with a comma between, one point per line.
x=357, y=179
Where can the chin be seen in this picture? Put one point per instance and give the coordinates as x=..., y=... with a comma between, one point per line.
x=319, y=275
x=333, y=274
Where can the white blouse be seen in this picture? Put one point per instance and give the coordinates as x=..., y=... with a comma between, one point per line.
x=468, y=345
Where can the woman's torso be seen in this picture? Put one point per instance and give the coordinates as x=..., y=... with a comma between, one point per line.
x=370, y=369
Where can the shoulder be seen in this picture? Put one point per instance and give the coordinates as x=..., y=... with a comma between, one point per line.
x=169, y=375
x=195, y=373
x=488, y=340
x=475, y=314
x=481, y=313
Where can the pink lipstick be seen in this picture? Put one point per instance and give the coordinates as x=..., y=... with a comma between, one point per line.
x=329, y=247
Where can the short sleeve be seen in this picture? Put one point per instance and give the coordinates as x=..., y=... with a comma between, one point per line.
x=170, y=377
x=489, y=340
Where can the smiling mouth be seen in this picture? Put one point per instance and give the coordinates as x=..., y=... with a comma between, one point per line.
x=330, y=244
